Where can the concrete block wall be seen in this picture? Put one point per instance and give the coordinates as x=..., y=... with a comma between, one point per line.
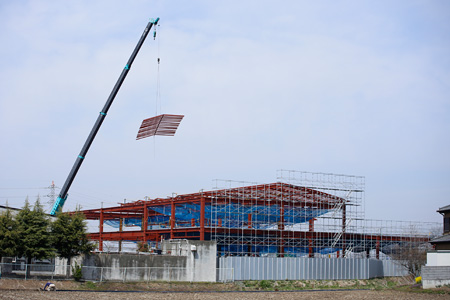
x=133, y=267
x=201, y=258
x=435, y=276
x=183, y=261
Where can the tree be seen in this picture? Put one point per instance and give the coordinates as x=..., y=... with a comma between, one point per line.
x=142, y=247
x=8, y=235
x=411, y=255
x=69, y=236
x=34, y=233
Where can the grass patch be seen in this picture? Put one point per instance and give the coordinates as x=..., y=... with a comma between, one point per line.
x=417, y=289
x=90, y=285
x=370, y=284
x=290, y=285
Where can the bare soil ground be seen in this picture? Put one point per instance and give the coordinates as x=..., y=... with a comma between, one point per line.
x=29, y=289
x=355, y=294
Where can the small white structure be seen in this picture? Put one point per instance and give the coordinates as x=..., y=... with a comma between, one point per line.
x=437, y=271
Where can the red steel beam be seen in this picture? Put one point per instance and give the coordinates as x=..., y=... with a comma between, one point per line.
x=183, y=232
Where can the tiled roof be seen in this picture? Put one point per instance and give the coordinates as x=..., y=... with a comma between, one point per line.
x=444, y=209
x=441, y=239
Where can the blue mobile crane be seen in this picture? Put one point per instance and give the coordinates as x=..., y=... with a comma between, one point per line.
x=62, y=197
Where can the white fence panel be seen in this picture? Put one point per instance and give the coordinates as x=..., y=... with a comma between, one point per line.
x=301, y=268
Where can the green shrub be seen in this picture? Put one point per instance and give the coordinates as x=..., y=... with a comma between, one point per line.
x=265, y=284
x=76, y=272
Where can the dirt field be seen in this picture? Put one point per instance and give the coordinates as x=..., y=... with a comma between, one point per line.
x=27, y=294
x=20, y=289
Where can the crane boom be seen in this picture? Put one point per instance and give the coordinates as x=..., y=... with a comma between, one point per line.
x=79, y=160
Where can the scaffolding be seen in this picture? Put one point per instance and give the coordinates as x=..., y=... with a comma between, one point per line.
x=302, y=214
x=346, y=218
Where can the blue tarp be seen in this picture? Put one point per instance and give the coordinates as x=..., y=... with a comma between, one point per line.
x=262, y=250
x=231, y=215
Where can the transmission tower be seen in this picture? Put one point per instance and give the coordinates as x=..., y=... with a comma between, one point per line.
x=52, y=194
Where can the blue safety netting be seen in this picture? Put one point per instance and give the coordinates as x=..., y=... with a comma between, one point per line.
x=266, y=250
x=226, y=215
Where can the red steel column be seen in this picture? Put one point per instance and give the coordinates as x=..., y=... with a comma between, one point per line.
x=310, y=248
x=344, y=221
x=145, y=222
x=311, y=242
x=100, y=237
x=120, y=230
x=202, y=219
x=172, y=218
x=377, y=250
x=311, y=225
x=281, y=227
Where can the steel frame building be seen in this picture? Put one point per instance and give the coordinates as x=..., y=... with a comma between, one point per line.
x=302, y=214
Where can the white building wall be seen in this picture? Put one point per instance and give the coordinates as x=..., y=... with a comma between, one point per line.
x=438, y=258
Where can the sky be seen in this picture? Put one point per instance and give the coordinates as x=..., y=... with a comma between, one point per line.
x=347, y=87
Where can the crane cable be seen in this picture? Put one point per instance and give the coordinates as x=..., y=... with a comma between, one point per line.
x=158, y=87
x=158, y=79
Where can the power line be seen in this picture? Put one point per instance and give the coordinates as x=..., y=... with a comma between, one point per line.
x=31, y=188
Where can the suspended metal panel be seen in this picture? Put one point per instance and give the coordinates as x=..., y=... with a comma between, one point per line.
x=165, y=125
